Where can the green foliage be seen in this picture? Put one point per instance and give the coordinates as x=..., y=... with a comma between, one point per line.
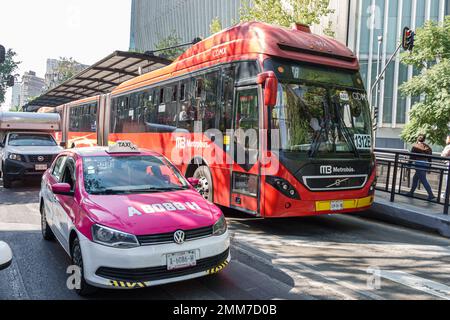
x=7, y=69
x=286, y=12
x=67, y=69
x=170, y=41
x=431, y=115
x=215, y=26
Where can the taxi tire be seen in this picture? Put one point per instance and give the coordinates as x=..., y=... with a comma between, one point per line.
x=77, y=259
x=47, y=233
x=203, y=172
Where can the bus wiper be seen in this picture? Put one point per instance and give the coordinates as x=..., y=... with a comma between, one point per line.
x=346, y=132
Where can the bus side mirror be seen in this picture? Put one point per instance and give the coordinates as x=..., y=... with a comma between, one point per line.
x=270, y=83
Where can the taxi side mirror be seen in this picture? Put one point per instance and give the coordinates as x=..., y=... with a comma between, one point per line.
x=63, y=189
x=194, y=182
x=5, y=256
x=2, y=145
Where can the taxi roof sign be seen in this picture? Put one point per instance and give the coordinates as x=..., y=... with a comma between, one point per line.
x=123, y=147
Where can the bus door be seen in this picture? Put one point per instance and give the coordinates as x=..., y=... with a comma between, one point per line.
x=245, y=170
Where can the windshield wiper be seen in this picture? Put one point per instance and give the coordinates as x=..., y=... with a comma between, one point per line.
x=143, y=190
x=345, y=131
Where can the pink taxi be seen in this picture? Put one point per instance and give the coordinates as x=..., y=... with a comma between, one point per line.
x=129, y=219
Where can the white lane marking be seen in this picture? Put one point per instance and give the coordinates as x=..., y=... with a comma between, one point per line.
x=430, y=287
x=294, y=271
x=18, y=289
x=10, y=227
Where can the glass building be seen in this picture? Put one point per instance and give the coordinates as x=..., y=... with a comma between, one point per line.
x=387, y=18
x=153, y=20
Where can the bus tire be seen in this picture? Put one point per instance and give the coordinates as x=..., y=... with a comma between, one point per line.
x=205, y=186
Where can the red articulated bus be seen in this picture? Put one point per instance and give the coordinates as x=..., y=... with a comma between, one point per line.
x=272, y=121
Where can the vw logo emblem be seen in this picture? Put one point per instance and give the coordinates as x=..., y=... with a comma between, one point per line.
x=40, y=158
x=179, y=237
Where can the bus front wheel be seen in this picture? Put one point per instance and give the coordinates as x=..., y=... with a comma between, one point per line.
x=205, y=186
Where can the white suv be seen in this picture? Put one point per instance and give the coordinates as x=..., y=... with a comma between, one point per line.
x=26, y=155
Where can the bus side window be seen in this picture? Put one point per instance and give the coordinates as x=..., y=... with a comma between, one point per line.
x=186, y=110
x=207, y=96
x=227, y=98
x=93, y=119
x=113, y=116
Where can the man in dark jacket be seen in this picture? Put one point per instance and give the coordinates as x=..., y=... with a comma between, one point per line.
x=422, y=164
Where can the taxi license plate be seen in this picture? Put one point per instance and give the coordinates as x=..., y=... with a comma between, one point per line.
x=181, y=260
x=40, y=167
x=337, y=205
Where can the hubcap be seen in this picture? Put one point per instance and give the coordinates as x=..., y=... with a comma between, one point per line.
x=203, y=187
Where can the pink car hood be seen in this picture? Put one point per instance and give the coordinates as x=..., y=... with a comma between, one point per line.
x=154, y=213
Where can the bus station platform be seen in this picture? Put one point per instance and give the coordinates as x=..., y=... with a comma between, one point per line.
x=409, y=212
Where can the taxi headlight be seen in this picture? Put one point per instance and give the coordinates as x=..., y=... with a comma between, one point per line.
x=14, y=156
x=113, y=238
x=220, y=227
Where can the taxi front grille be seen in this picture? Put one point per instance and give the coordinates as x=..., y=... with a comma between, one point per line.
x=161, y=273
x=193, y=234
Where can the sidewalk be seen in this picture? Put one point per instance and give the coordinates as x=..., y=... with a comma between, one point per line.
x=410, y=213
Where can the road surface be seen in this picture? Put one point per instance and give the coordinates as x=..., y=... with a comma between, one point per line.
x=328, y=257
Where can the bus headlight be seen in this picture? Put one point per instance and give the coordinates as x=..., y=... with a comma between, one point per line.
x=113, y=238
x=220, y=227
x=14, y=156
x=284, y=187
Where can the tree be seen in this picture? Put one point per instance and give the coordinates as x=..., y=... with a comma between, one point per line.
x=286, y=12
x=172, y=40
x=215, y=26
x=67, y=69
x=431, y=54
x=7, y=69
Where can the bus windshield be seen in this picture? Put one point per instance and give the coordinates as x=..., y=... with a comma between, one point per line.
x=321, y=113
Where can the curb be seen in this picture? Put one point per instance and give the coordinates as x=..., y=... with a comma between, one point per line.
x=401, y=215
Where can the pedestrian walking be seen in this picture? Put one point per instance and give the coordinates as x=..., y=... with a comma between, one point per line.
x=446, y=154
x=422, y=165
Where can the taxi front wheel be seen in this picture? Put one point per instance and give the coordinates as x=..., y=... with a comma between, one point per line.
x=47, y=233
x=85, y=289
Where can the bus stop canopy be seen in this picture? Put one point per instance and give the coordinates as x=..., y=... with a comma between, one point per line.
x=99, y=78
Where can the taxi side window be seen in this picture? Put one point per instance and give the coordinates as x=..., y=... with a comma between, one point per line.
x=68, y=175
x=59, y=165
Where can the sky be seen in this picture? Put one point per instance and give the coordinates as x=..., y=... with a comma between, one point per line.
x=87, y=30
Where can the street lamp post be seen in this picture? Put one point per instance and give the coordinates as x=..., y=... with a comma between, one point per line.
x=377, y=91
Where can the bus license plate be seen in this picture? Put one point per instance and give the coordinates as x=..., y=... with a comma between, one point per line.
x=40, y=167
x=181, y=260
x=337, y=205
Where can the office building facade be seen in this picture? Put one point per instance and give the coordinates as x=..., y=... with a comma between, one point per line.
x=153, y=20
x=31, y=87
x=370, y=19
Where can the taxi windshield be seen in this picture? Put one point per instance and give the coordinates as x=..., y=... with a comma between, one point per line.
x=130, y=174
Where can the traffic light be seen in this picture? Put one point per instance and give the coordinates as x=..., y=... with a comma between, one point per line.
x=408, y=39
x=10, y=81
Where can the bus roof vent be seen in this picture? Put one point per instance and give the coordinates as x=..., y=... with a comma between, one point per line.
x=301, y=27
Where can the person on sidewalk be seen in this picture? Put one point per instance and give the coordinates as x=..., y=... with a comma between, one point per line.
x=445, y=154
x=422, y=165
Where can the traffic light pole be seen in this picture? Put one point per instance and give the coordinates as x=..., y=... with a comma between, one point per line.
x=380, y=76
